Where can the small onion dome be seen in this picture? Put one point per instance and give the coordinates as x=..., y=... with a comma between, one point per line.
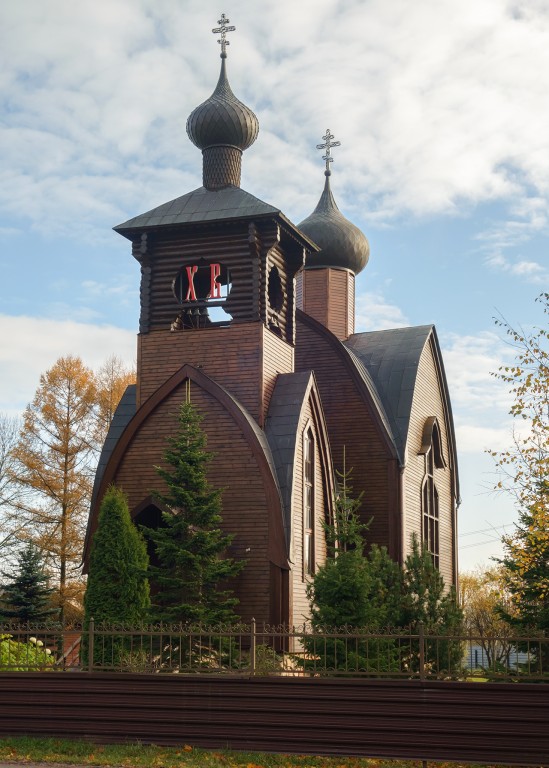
x=222, y=119
x=343, y=246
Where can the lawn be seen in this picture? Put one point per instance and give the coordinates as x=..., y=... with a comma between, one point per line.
x=26, y=749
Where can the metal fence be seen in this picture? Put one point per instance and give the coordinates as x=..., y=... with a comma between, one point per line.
x=253, y=650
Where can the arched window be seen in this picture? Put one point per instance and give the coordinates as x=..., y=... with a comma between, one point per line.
x=431, y=448
x=308, y=503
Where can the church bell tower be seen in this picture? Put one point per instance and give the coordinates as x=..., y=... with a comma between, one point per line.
x=218, y=266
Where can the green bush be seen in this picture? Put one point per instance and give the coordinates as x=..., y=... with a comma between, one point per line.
x=16, y=656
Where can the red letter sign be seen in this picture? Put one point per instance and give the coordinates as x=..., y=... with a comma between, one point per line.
x=215, y=287
x=191, y=272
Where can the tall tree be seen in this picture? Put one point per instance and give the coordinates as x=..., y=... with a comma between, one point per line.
x=111, y=381
x=353, y=590
x=193, y=568
x=10, y=490
x=482, y=593
x=26, y=595
x=525, y=466
x=426, y=601
x=526, y=567
x=53, y=461
x=117, y=589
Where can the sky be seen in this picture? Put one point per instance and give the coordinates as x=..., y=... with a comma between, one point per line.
x=442, y=113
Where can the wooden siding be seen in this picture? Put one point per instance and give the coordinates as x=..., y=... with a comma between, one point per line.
x=278, y=357
x=328, y=295
x=352, y=428
x=300, y=603
x=244, y=358
x=428, y=401
x=234, y=468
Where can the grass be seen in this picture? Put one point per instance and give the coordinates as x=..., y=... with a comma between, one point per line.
x=27, y=750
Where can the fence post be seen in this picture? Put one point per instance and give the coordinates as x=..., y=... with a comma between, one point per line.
x=252, y=646
x=91, y=638
x=421, y=651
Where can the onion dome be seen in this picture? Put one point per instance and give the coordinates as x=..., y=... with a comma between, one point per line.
x=343, y=245
x=222, y=127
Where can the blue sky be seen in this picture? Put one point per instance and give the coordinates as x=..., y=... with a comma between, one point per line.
x=442, y=113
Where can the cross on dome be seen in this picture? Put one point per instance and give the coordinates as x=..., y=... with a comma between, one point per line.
x=222, y=30
x=328, y=144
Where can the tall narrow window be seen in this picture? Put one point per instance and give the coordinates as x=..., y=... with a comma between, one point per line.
x=308, y=503
x=430, y=509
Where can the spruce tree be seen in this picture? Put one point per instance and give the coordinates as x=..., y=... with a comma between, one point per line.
x=118, y=589
x=353, y=590
x=192, y=571
x=26, y=596
x=426, y=601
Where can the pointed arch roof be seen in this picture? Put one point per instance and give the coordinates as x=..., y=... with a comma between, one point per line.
x=391, y=358
x=290, y=395
x=251, y=432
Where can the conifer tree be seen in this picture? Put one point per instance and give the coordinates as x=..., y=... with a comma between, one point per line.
x=26, y=596
x=52, y=463
x=426, y=601
x=118, y=589
x=353, y=590
x=526, y=570
x=192, y=571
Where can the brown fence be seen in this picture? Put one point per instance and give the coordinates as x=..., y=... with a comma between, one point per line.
x=499, y=723
x=264, y=650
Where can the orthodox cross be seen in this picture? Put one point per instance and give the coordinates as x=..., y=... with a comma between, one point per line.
x=328, y=144
x=222, y=30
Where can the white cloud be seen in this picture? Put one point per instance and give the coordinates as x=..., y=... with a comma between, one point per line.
x=437, y=104
x=30, y=346
x=375, y=313
x=470, y=362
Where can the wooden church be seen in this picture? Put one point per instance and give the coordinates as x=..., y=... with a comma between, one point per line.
x=258, y=315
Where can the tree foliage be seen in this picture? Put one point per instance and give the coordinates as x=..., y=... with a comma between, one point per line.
x=54, y=459
x=526, y=567
x=525, y=471
x=193, y=569
x=46, y=473
x=17, y=656
x=26, y=595
x=482, y=594
x=428, y=603
x=525, y=466
x=353, y=590
x=10, y=491
x=117, y=589
x=111, y=381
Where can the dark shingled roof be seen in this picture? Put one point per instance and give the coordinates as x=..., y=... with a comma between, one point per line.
x=122, y=416
x=281, y=431
x=392, y=359
x=201, y=205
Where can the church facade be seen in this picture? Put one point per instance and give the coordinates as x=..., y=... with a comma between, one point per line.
x=255, y=317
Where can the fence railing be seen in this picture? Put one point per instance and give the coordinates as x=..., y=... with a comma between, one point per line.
x=266, y=650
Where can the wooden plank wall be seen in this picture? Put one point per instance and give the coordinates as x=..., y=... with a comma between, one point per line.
x=428, y=402
x=474, y=722
x=300, y=602
x=233, y=468
x=328, y=295
x=351, y=428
